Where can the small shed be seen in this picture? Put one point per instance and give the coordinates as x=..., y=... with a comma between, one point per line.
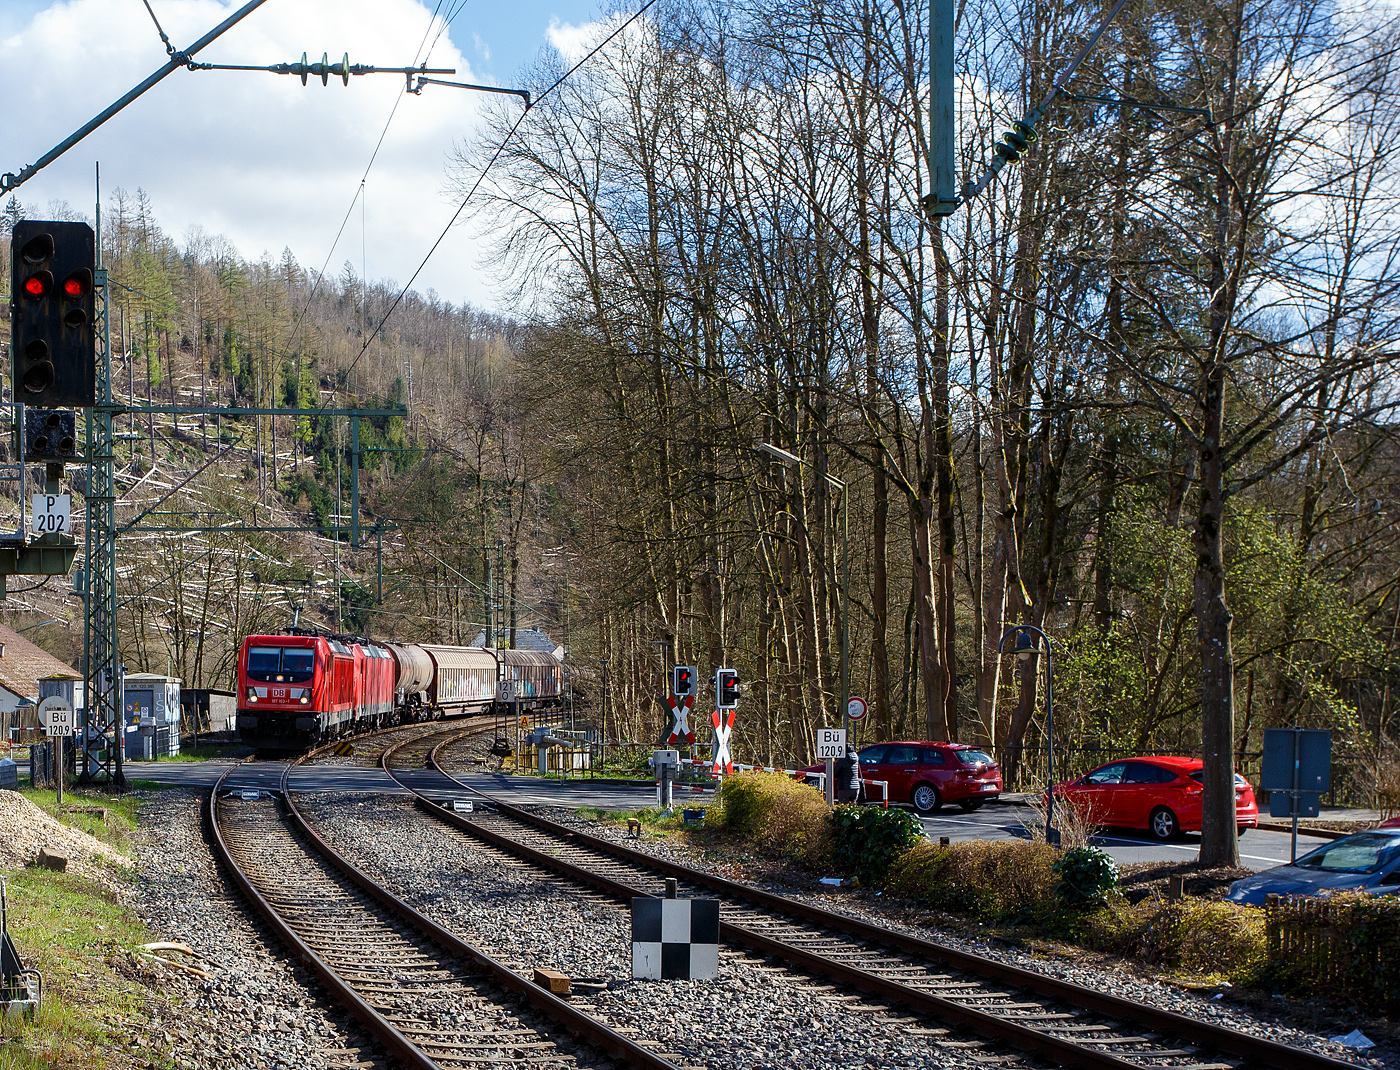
x=207, y=709
x=151, y=715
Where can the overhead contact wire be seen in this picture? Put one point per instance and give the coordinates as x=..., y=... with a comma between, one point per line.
x=496, y=155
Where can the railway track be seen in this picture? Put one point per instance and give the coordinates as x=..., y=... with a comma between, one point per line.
x=431, y=1000
x=1003, y=1005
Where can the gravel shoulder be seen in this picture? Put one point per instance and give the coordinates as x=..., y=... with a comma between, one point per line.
x=257, y=1010
x=1305, y=1024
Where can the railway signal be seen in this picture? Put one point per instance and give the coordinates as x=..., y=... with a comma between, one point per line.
x=682, y=680
x=727, y=689
x=52, y=345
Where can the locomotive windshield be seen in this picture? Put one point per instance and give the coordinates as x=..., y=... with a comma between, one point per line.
x=291, y=664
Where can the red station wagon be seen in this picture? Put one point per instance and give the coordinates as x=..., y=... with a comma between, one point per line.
x=926, y=775
x=1161, y=795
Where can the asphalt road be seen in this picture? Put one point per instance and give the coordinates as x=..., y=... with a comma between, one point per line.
x=1258, y=850
x=995, y=821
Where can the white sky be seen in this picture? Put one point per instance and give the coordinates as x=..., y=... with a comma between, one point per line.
x=258, y=157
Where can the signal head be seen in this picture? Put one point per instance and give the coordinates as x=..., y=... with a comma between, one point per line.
x=39, y=284
x=37, y=249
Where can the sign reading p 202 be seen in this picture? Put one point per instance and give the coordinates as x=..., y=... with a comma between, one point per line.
x=50, y=514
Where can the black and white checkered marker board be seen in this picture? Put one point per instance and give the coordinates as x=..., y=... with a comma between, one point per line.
x=675, y=939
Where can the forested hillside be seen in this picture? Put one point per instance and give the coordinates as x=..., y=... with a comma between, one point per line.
x=195, y=324
x=1140, y=393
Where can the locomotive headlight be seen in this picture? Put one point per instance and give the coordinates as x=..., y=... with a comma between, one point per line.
x=252, y=694
x=305, y=697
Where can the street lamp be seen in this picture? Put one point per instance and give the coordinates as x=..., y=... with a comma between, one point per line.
x=1025, y=647
x=792, y=459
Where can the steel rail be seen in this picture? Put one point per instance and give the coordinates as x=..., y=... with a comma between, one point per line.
x=346, y=996
x=1267, y=1053
x=991, y=1026
x=579, y=1024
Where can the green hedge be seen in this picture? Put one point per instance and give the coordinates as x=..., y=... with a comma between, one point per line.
x=867, y=840
x=775, y=813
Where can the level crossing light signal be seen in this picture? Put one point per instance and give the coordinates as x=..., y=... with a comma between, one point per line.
x=1015, y=142
x=727, y=689
x=682, y=680
x=51, y=325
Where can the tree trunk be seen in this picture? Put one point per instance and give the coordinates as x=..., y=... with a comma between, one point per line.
x=1219, y=840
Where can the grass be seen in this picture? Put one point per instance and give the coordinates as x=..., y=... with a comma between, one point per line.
x=97, y=1003
x=207, y=752
x=116, y=831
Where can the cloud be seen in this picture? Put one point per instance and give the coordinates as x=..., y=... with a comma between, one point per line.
x=254, y=156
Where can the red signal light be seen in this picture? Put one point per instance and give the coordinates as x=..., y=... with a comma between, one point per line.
x=73, y=288
x=38, y=284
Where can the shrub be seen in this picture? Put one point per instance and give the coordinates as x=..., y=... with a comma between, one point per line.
x=1086, y=874
x=866, y=840
x=777, y=814
x=992, y=880
x=1193, y=935
x=1347, y=945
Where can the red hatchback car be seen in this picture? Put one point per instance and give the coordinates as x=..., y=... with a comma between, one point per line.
x=1161, y=795
x=926, y=775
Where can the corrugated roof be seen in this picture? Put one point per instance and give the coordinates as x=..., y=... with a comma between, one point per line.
x=23, y=665
x=525, y=639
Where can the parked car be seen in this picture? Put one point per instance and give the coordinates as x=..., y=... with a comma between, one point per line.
x=927, y=775
x=1364, y=861
x=1159, y=795
x=1390, y=823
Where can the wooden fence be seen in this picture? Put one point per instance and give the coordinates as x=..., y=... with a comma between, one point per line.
x=1344, y=947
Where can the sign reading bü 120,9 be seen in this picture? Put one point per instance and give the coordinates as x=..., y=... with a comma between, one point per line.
x=831, y=742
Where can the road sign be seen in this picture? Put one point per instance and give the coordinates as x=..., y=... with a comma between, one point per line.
x=831, y=742
x=1311, y=748
x=56, y=716
x=50, y=514
x=679, y=727
x=856, y=709
x=724, y=725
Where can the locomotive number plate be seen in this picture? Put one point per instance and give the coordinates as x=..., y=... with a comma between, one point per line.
x=277, y=692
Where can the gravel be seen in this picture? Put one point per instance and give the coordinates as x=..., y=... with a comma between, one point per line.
x=258, y=1010
x=24, y=828
x=754, y=1015
x=1118, y=981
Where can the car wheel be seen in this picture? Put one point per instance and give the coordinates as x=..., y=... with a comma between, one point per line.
x=1240, y=830
x=970, y=805
x=1163, y=825
x=926, y=799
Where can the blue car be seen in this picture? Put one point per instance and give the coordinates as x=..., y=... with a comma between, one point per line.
x=1362, y=862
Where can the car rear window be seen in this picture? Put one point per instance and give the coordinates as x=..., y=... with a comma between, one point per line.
x=902, y=755
x=1147, y=773
x=932, y=756
x=1361, y=852
x=971, y=756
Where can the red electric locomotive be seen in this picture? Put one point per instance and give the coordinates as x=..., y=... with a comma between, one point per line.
x=296, y=691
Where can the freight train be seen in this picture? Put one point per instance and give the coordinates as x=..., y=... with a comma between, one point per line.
x=305, y=688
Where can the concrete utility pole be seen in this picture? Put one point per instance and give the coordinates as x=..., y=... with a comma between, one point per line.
x=943, y=197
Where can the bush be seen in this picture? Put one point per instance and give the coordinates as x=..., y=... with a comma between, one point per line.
x=866, y=840
x=1193, y=935
x=991, y=880
x=1086, y=874
x=777, y=814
